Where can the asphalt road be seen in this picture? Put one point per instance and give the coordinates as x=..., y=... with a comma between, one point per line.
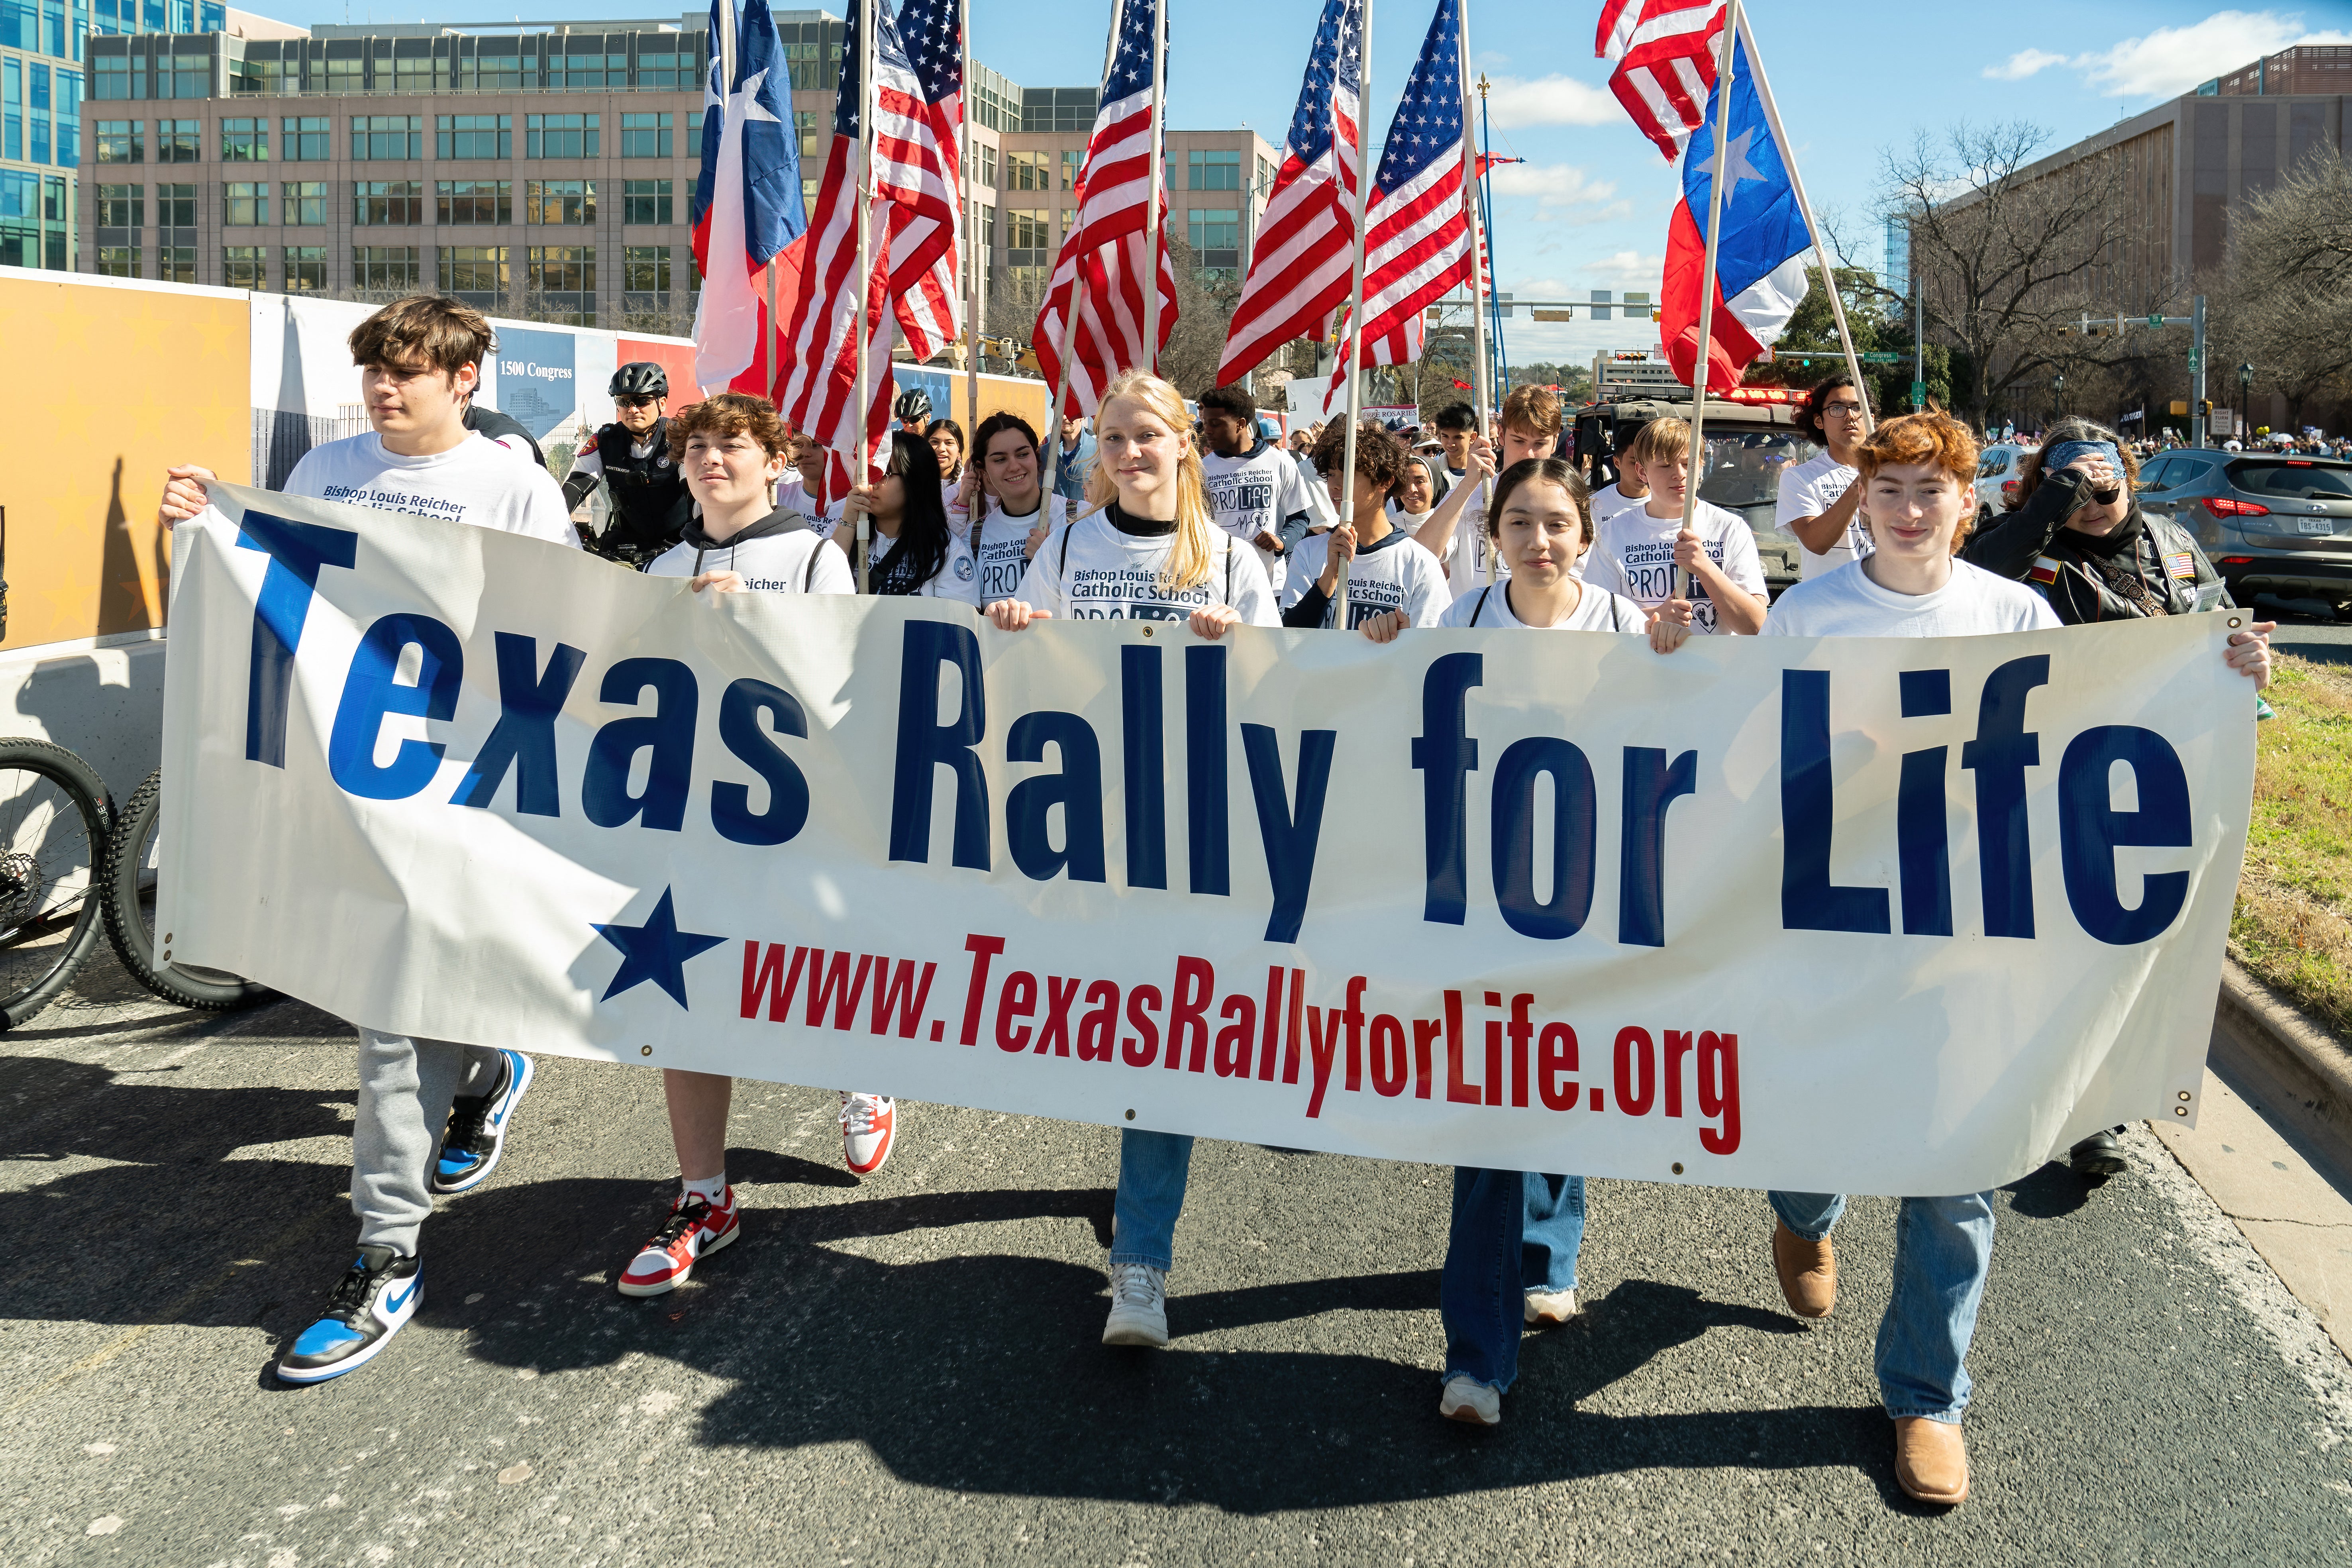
x=906, y=1370
x=2305, y=634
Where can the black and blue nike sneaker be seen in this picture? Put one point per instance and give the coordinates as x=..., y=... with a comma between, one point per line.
x=369, y=1305
x=477, y=1128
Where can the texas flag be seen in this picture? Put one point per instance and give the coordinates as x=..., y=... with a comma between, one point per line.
x=746, y=202
x=1759, y=263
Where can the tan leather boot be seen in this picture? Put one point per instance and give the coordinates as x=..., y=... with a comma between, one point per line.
x=1808, y=1271
x=1931, y=1460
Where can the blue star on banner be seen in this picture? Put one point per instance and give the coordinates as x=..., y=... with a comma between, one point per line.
x=656, y=950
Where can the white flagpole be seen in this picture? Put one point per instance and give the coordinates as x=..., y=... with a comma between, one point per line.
x=1821, y=251
x=1070, y=307
x=861, y=469
x=1355, y=336
x=1159, y=177
x=972, y=252
x=1699, y=371
x=1481, y=375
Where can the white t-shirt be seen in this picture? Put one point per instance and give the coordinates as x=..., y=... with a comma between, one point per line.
x=1256, y=493
x=795, y=562
x=476, y=481
x=1847, y=603
x=1396, y=574
x=1467, y=552
x=1092, y=571
x=957, y=578
x=1597, y=610
x=1607, y=503
x=1642, y=547
x=1809, y=489
x=1004, y=555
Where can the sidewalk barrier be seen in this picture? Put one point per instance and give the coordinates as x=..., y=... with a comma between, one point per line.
x=2299, y=1069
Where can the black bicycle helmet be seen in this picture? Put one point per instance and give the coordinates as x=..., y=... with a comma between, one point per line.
x=913, y=409
x=639, y=378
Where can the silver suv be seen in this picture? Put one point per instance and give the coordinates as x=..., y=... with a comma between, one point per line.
x=1997, y=480
x=2272, y=523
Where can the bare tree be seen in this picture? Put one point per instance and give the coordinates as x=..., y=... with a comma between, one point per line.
x=2284, y=302
x=1204, y=308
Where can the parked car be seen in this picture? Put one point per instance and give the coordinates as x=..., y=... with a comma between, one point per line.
x=1997, y=479
x=2272, y=523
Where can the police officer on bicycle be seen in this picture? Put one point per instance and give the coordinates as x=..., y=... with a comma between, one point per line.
x=650, y=504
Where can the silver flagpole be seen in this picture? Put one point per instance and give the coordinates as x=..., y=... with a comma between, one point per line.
x=972, y=251
x=1482, y=379
x=1355, y=335
x=1821, y=251
x=1158, y=178
x=860, y=469
x=1707, y=276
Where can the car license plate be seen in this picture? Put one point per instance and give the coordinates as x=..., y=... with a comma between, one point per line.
x=2314, y=525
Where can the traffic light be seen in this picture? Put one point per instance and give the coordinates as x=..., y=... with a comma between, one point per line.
x=2179, y=405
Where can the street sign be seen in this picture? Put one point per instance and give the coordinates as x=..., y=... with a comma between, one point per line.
x=2157, y=320
x=2196, y=361
x=1918, y=395
x=1542, y=315
x=1882, y=356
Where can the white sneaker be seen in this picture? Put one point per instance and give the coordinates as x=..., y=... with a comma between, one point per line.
x=1551, y=1308
x=1138, y=1306
x=1468, y=1400
x=869, y=1122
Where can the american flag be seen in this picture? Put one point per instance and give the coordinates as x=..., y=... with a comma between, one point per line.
x=1301, y=266
x=918, y=109
x=1417, y=240
x=1664, y=51
x=1102, y=262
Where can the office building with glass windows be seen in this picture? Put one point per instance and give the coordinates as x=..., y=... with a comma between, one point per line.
x=539, y=168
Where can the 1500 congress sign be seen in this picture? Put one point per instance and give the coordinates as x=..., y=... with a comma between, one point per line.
x=1877, y=916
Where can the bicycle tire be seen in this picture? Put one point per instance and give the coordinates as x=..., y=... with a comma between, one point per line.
x=25, y=883
x=127, y=927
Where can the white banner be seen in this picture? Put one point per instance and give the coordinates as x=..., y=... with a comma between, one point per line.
x=1871, y=915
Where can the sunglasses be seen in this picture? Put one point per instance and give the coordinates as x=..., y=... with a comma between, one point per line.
x=635, y=401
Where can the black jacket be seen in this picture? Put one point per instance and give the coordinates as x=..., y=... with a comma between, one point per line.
x=2085, y=577
x=497, y=425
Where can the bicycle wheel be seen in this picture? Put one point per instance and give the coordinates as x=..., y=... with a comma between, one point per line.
x=54, y=816
x=130, y=899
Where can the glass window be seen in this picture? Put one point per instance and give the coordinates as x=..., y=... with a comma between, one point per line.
x=121, y=206
x=376, y=202
x=1028, y=233
x=473, y=136
x=645, y=269
x=666, y=71
x=305, y=202
x=245, y=141
x=474, y=273
x=305, y=270
x=645, y=200
x=176, y=140
x=988, y=167
x=110, y=79
x=474, y=200
x=564, y=279
x=2292, y=479
x=69, y=115
x=560, y=201
x=560, y=136
x=190, y=75
x=1073, y=158
x=305, y=140
x=1028, y=171
x=343, y=76
x=648, y=135
x=1216, y=169
x=242, y=268
x=176, y=206
x=244, y=206
x=122, y=141
x=175, y=263
x=118, y=261
x=804, y=121
x=392, y=268
x=384, y=136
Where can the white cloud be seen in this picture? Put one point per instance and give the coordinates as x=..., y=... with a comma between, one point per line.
x=2023, y=64
x=1628, y=267
x=1549, y=100
x=2172, y=60
x=1551, y=185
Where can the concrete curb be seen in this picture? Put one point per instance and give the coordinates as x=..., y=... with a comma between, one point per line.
x=2270, y=1048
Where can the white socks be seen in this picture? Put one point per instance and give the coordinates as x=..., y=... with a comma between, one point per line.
x=711, y=1190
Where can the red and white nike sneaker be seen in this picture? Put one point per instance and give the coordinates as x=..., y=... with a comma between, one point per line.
x=696, y=1229
x=869, y=1124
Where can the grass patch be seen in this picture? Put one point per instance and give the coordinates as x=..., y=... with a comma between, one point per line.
x=2290, y=925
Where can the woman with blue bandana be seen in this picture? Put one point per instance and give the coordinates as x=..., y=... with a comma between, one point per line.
x=2078, y=534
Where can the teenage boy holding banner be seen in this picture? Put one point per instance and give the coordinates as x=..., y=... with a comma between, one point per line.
x=1392, y=582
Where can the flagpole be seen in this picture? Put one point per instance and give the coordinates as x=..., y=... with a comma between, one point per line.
x=1821, y=251
x=1158, y=176
x=862, y=470
x=972, y=251
x=1700, y=371
x=1070, y=307
x=1482, y=380
x=1355, y=346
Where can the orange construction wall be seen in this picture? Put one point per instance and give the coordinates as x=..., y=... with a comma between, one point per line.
x=130, y=381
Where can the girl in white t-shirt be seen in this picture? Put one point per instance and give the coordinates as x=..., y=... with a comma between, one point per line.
x=1151, y=550
x=912, y=554
x=1652, y=550
x=1510, y=1259
x=1001, y=511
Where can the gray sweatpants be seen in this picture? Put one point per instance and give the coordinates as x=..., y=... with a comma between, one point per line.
x=406, y=1088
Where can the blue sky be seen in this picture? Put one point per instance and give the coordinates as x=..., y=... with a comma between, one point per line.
x=1589, y=209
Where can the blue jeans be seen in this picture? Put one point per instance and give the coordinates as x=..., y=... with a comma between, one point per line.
x=1151, y=1171
x=1513, y=1232
x=1943, y=1249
